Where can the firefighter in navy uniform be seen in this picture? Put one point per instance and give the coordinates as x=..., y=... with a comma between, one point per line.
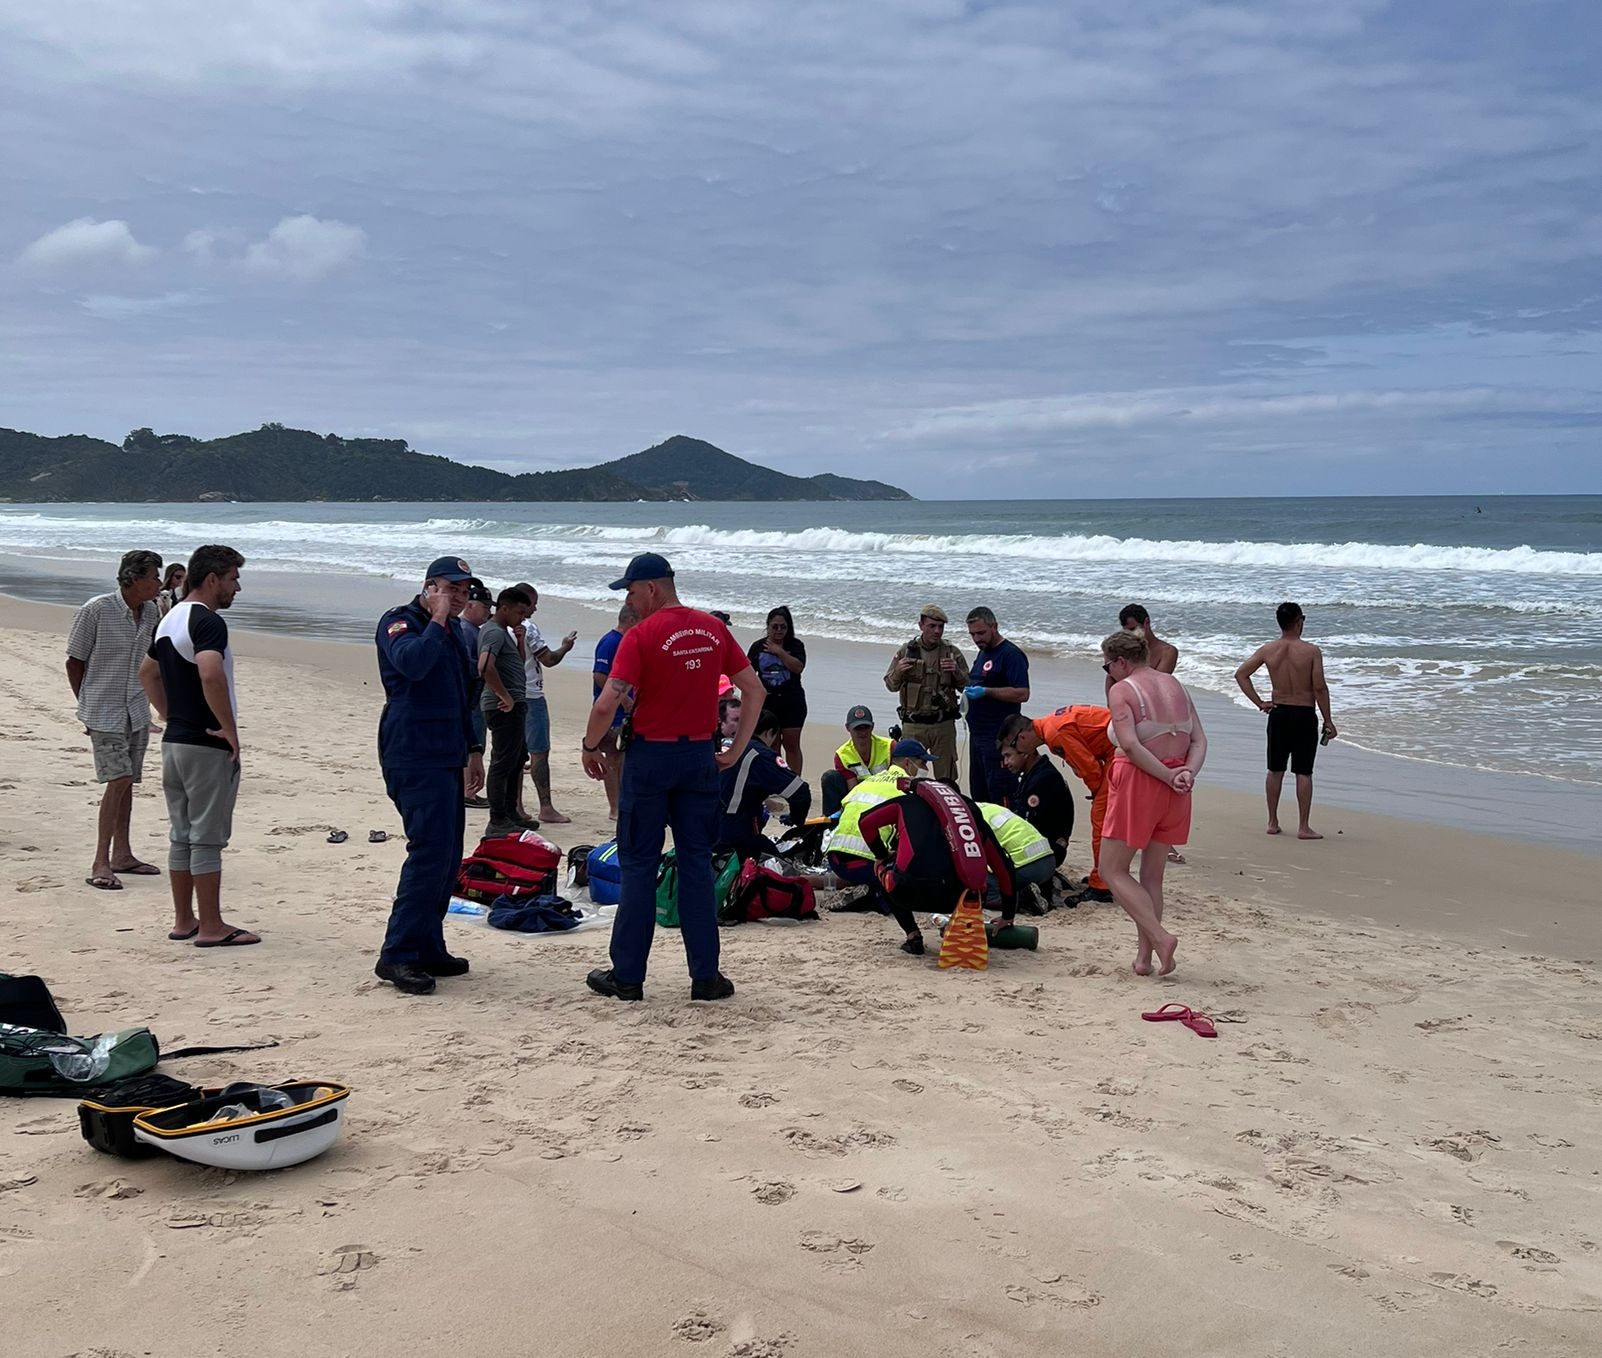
x=423, y=739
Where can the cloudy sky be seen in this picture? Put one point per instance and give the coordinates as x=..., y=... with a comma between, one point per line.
x=972, y=247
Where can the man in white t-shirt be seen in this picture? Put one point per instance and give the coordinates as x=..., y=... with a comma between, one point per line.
x=539, y=715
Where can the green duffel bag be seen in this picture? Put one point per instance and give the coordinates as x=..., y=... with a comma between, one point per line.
x=33, y=1061
x=725, y=868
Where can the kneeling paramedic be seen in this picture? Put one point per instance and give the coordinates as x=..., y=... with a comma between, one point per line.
x=845, y=850
x=941, y=849
x=746, y=786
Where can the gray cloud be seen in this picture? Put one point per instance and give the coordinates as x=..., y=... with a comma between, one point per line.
x=858, y=238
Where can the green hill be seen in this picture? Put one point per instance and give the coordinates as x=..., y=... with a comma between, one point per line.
x=695, y=470
x=276, y=463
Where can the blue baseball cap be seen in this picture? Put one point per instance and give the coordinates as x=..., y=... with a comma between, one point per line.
x=449, y=568
x=911, y=749
x=646, y=566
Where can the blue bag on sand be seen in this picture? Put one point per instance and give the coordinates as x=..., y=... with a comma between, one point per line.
x=605, y=873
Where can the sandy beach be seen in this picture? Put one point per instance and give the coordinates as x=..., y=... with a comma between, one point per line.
x=1394, y=1150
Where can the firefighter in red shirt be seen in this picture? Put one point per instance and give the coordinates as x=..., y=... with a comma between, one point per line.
x=672, y=658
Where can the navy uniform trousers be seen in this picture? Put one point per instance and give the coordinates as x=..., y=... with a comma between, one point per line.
x=666, y=783
x=988, y=779
x=430, y=805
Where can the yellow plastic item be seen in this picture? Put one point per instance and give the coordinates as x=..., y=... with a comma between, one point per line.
x=964, y=943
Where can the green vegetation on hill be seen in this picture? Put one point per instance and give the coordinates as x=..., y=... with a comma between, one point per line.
x=695, y=470
x=275, y=463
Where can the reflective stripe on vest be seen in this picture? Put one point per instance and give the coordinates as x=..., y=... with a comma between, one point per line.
x=846, y=837
x=1022, y=843
x=852, y=761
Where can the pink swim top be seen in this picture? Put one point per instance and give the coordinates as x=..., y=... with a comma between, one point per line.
x=1147, y=730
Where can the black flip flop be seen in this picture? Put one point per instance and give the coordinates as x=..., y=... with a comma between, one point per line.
x=234, y=938
x=337, y=837
x=106, y=882
x=376, y=836
x=184, y=938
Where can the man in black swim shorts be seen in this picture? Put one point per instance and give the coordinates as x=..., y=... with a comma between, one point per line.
x=1300, y=696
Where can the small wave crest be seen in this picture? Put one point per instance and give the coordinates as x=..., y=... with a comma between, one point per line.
x=1073, y=547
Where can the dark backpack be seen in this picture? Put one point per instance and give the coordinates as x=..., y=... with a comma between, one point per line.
x=509, y=865
x=760, y=893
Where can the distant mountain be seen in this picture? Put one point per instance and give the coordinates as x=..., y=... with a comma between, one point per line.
x=690, y=469
x=275, y=463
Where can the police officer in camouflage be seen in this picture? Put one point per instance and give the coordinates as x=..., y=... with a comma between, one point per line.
x=423, y=739
x=928, y=675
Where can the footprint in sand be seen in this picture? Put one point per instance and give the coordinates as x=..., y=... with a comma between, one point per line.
x=1060, y=1292
x=838, y=1252
x=773, y=1192
x=1464, y=1146
x=1528, y=1252
x=812, y=1144
x=1443, y=1025
x=1461, y=1282
x=109, y=1189
x=760, y=1099
x=697, y=1327
x=908, y=1086
x=31, y=884
x=761, y=1348
x=345, y=1261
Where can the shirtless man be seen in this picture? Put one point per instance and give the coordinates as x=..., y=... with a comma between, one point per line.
x=1296, y=669
x=1161, y=656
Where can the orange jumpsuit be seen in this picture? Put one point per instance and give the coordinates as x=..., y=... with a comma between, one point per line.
x=1078, y=736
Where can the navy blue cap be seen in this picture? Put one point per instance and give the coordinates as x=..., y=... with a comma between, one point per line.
x=911, y=749
x=646, y=566
x=449, y=568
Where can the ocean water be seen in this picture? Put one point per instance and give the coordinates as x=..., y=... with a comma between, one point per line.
x=1458, y=631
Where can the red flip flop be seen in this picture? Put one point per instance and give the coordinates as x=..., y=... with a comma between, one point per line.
x=1200, y=1024
x=1168, y=1011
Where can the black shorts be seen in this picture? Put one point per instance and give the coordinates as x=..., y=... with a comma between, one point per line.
x=788, y=706
x=1292, y=739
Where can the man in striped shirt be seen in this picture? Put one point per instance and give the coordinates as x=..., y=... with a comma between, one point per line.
x=109, y=637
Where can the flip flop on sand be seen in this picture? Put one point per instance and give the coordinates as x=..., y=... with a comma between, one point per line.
x=104, y=882
x=137, y=869
x=1168, y=1011
x=337, y=836
x=1200, y=1024
x=234, y=938
x=377, y=836
x=184, y=938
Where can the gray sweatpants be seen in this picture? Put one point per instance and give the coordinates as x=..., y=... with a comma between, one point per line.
x=201, y=785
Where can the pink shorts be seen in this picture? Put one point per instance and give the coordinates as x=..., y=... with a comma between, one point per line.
x=1140, y=809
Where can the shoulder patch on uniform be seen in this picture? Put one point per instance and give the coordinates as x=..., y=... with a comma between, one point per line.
x=1034, y=799
x=395, y=627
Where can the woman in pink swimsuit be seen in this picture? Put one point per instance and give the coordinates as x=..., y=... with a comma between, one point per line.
x=1161, y=749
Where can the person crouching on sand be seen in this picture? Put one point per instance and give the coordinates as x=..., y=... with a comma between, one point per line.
x=1161, y=749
